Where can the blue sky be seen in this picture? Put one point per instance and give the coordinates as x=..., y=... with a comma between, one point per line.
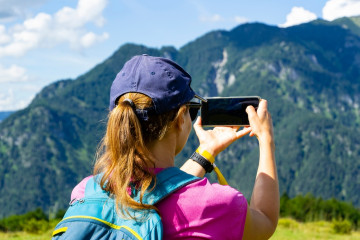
x=42, y=41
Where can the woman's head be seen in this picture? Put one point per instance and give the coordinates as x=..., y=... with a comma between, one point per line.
x=152, y=127
x=148, y=97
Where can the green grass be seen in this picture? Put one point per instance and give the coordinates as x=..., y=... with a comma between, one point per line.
x=26, y=236
x=29, y=236
x=288, y=229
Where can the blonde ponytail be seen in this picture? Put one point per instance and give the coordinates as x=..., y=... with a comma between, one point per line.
x=123, y=157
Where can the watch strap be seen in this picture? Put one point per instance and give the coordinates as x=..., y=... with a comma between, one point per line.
x=206, y=164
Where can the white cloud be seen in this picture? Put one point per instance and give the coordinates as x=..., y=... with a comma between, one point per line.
x=91, y=38
x=297, y=16
x=340, y=8
x=212, y=18
x=10, y=102
x=13, y=74
x=6, y=99
x=4, y=38
x=240, y=20
x=68, y=25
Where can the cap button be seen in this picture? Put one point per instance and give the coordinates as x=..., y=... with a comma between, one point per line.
x=145, y=54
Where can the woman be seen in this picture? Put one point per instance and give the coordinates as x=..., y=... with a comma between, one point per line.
x=149, y=123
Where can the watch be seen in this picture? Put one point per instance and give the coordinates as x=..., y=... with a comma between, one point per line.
x=206, y=164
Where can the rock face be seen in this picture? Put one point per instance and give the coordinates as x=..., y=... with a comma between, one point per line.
x=309, y=74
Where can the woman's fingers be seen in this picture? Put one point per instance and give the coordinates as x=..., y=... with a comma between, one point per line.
x=262, y=109
x=250, y=110
x=243, y=132
x=260, y=120
x=198, y=121
x=197, y=125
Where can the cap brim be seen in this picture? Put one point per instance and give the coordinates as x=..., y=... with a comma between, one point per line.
x=201, y=98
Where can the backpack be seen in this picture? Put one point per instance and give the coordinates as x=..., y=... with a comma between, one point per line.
x=94, y=216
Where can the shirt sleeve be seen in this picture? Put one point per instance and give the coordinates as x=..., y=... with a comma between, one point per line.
x=204, y=210
x=230, y=213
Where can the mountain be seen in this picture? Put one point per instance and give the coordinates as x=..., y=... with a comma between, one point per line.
x=310, y=75
x=4, y=115
x=352, y=23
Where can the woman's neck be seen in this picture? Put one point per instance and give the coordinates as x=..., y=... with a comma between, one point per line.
x=164, y=151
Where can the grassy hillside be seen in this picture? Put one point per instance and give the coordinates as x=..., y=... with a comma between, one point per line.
x=302, y=217
x=290, y=229
x=287, y=229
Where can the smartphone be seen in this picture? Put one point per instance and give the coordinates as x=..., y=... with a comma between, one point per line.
x=227, y=111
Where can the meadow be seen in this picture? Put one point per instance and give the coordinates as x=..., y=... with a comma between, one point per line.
x=291, y=229
x=288, y=229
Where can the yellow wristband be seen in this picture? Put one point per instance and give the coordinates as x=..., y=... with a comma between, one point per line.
x=211, y=159
x=206, y=154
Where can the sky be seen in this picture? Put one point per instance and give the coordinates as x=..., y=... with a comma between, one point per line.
x=42, y=41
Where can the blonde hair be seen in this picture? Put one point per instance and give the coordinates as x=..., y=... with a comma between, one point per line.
x=123, y=157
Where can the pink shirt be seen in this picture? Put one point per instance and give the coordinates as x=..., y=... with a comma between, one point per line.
x=200, y=210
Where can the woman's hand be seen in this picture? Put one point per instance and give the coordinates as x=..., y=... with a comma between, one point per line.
x=219, y=138
x=260, y=122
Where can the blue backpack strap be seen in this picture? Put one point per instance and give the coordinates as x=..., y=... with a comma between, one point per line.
x=93, y=187
x=167, y=181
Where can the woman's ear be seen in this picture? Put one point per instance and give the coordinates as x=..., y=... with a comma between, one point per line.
x=179, y=121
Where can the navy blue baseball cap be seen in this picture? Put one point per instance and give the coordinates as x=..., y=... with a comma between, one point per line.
x=164, y=81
